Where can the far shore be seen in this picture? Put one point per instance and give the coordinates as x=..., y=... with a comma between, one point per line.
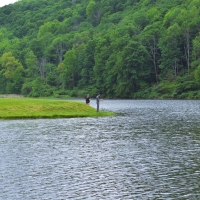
x=11, y=96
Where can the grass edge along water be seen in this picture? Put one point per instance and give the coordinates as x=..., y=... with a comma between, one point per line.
x=30, y=108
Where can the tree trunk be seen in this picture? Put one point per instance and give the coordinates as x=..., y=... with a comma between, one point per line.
x=187, y=49
x=42, y=67
x=153, y=49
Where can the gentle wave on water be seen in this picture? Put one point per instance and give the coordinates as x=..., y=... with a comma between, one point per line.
x=149, y=151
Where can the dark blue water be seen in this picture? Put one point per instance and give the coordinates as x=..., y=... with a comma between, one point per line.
x=150, y=150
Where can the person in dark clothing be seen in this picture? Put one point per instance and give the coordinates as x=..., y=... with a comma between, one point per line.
x=87, y=99
x=98, y=100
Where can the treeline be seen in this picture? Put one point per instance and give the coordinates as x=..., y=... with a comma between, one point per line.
x=120, y=48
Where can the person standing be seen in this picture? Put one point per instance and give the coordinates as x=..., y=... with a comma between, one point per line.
x=87, y=99
x=98, y=100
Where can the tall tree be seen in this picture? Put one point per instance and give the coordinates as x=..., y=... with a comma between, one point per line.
x=150, y=37
x=101, y=55
x=132, y=65
x=13, y=71
x=196, y=52
x=31, y=64
x=67, y=70
x=169, y=45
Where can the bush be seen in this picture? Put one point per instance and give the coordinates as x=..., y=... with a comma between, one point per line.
x=186, y=90
x=61, y=94
x=183, y=96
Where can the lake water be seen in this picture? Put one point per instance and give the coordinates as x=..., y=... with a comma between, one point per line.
x=150, y=150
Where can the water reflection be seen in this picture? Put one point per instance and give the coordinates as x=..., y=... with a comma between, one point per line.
x=150, y=152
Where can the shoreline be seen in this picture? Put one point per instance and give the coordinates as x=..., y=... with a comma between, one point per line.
x=28, y=108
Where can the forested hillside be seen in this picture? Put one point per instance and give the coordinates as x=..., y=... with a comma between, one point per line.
x=120, y=48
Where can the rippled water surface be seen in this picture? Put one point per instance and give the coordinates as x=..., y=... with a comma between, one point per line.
x=150, y=150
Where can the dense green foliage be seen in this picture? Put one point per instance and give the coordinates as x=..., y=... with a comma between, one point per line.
x=120, y=48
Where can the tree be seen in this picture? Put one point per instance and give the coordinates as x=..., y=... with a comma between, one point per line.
x=150, y=37
x=188, y=20
x=101, y=55
x=13, y=71
x=196, y=52
x=197, y=74
x=31, y=64
x=87, y=73
x=59, y=47
x=67, y=70
x=94, y=13
x=169, y=45
x=132, y=68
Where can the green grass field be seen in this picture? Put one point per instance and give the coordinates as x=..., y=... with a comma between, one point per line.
x=22, y=108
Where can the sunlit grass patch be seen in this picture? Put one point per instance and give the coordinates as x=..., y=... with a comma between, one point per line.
x=11, y=108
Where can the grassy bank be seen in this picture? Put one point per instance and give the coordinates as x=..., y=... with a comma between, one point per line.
x=13, y=108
